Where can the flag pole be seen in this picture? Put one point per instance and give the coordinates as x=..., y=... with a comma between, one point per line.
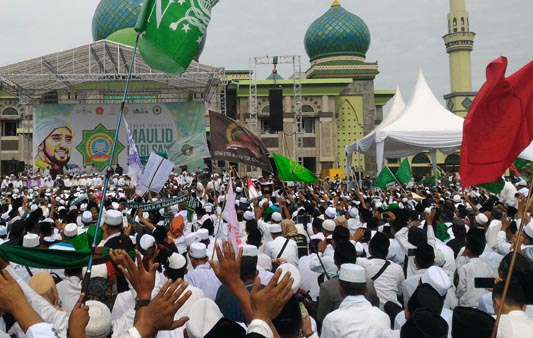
x=220, y=219
x=86, y=279
x=513, y=260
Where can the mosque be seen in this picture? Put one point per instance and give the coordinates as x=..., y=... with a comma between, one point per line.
x=336, y=104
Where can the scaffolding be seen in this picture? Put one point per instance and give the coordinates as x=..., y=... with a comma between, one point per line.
x=103, y=61
x=295, y=60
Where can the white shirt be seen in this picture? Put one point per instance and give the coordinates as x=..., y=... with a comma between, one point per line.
x=389, y=285
x=69, y=290
x=515, y=324
x=467, y=294
x=492, y=232
x=204, y=278
x=290, y=254
x=354, y=318
x=309, y=277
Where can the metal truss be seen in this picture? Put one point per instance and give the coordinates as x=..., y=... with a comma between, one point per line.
x=295, y=60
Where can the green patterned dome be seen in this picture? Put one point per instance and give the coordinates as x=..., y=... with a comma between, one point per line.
x=113, y=15
x=337, y=33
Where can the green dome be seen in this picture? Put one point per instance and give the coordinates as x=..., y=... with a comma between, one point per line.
x=337, y=33
x=113, y=15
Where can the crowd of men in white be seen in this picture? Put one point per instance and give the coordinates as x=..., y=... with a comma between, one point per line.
x=326, y=260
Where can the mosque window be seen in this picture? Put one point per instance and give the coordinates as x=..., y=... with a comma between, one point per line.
x=9, y=128
x=10, y=112
x=467, y=103
x=266, y=109
x=308, y=125
x=307, y=109
x=451, y=163
x=421, y=158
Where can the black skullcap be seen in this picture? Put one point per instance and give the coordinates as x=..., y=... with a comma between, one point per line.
x=469, y=322
x=423, y=323
x=425, y=296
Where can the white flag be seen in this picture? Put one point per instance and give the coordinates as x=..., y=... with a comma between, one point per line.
x=230, y=215
x=156, y=172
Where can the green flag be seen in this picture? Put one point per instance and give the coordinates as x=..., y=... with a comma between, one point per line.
x=173, y=31
x=404, y=172
x=385, y=177
x=290, y=170
x=494, y=187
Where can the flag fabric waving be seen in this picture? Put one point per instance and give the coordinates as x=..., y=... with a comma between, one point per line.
x=385, y=177
x=292, y=171
x=135, y=167
x=404, y=173
x=252, y=191
x=230, y=141
x=173, y=32
x=230, y=215
x=499, y=125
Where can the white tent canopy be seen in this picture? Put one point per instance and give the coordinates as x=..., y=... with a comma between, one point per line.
x=424, y=124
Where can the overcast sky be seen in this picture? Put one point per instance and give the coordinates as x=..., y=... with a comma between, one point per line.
x=406, y=34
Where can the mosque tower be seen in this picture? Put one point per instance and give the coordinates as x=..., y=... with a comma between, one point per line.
x=459, y=44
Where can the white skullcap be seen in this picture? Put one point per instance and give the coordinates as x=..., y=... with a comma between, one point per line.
x=113, y=218
x=295, y=274
x=99, y=325
x=249, y=250
x=352, y=273
x=481, y=219
x=528, y=229
x=276, y=217
x=83, y=206
x=176, y=261
x=208, y=208
x=30, y=241
x=456, y=199
x=329, y=225
x=354, y=212
x=203, y=234
x=319, y=236
x=438, y=279
x=147, y=241
x=261, y=202
x=99, y=270
x=34, y=207
x=248, y=215
x=46, y=127
x=204, y=314
x=193, y=237
x=331, y=212
x=71, y=230
x=238, y=189
x=115, y=205
x=275, y=228
x=198, y=250
x=87, y=217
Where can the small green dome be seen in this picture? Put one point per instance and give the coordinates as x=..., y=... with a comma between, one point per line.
x=113, y=15
x=337, y=33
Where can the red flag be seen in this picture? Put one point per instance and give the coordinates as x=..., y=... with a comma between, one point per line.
x=499, y=124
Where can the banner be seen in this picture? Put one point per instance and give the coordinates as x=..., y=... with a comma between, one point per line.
x=230, y=141
x=154, y=206
x=74, y=137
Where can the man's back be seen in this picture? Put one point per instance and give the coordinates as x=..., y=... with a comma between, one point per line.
x=354, y=318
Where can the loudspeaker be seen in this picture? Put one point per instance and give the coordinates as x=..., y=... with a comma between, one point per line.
x=275, y=98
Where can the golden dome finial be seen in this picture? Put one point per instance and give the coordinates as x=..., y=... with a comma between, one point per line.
x=335, y=3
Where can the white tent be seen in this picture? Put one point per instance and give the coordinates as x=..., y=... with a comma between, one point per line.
x=424, y=124
x=367, y=144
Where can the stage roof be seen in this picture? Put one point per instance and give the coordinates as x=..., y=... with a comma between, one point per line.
x=98, y=61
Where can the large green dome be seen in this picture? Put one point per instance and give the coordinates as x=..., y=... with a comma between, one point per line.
x=337, y=33
x=113, y=15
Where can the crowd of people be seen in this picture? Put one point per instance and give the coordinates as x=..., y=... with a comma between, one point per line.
x=333, y=259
